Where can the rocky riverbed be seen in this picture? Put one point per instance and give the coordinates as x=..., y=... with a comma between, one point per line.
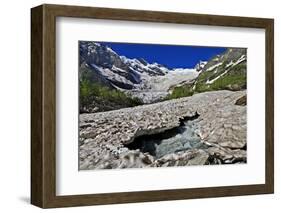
x=206, y=128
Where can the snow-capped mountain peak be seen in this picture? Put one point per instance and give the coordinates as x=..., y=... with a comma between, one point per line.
x=153, y=81
x=100, y=63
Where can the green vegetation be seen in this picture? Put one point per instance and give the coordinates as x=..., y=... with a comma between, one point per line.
x=205, y=75
x=90, y=92
x=230, y=82
x=181, y=91
x=234, y=80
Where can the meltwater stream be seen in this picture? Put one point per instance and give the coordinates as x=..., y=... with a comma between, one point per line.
x=174, y=140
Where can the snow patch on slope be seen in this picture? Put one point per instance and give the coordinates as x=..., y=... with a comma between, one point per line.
x=213, y=67
x=228, y=66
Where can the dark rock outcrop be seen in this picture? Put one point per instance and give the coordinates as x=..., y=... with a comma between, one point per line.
x=241, y=101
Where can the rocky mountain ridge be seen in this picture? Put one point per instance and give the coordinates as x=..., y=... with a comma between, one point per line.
x=152, y=82
x=228, y=69
x=99, y=63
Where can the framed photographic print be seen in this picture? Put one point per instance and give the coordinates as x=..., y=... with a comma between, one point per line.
x=137, y=106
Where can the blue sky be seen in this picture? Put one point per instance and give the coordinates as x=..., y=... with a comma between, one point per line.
x=172, y=56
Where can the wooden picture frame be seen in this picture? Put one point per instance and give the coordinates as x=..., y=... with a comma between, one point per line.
x=43, y=105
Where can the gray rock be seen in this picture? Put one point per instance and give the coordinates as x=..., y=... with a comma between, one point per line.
x=218, y=135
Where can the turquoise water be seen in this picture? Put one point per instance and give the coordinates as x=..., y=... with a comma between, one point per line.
x=174, y=140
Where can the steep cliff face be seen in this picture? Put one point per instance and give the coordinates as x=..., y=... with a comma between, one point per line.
x=100, y=63
x=119, y=69
x=136, y=78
